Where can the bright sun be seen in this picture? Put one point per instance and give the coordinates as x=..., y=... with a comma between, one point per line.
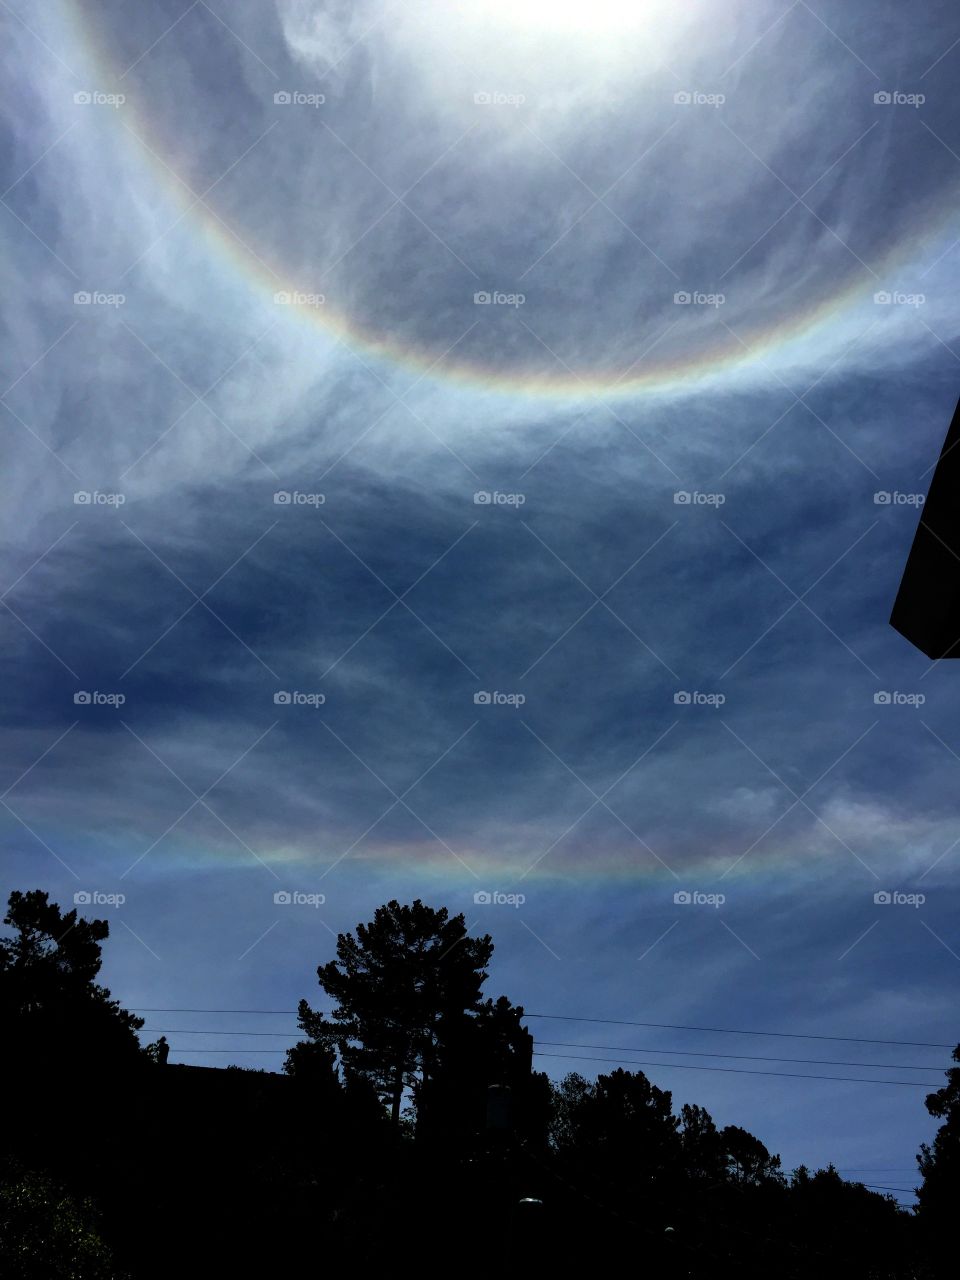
x=565, y=47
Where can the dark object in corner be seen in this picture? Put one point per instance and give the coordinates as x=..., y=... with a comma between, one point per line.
x=927, y=608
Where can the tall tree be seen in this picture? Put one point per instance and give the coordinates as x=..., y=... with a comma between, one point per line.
x=50, y=1001
x=703, y=1156
x=622, y=1123
x=473, y=1053
x=748, y=1161
x=396, y=983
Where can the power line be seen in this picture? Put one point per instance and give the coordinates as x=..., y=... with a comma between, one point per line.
x=290, y=1013
x=912, y=1191
x=688, y=1066
x=193, y=1031
x=683, y=1066
x=729, y=1031
x=565, y=1044
x=744, y=1057
x=619, y=1022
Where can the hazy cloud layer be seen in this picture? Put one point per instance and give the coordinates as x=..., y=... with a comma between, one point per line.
x=245, y=330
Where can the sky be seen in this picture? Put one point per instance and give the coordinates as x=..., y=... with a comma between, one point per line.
x=469, y=452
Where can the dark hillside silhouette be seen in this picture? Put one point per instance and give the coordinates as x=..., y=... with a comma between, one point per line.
x=408, y=1130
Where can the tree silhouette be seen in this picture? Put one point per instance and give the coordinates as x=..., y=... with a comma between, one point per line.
x=747, y=1160
x=474, y=1052
x=702, y=1148
x=49, y=997
x=940, y=1167
x=396, y=982
x=852, y=1229
x=619, y=1136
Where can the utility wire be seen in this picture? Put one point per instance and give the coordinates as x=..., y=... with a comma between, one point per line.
x=619, y=1022
x=685, y=1066
x=566, y=1044
x=745, y=1057
x=912, y=1191
x=688, y=1066
x=729, y=1031
x=206, y=1031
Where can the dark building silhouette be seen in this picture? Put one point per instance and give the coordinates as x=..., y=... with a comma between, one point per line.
x=927, y=607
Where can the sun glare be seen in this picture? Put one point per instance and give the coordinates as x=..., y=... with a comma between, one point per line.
x=576, y=17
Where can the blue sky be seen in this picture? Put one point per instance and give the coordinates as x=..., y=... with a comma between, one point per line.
x=578, y=345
